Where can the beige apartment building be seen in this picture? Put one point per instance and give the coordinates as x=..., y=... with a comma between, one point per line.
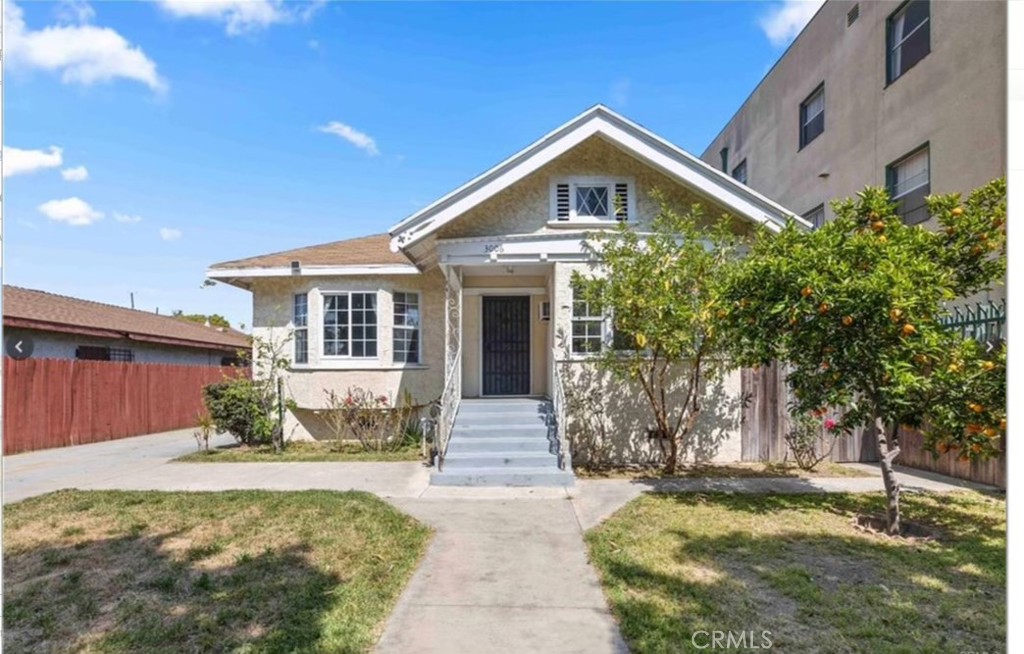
x=911, y=95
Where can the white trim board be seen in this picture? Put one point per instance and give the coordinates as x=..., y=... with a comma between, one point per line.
x=618, y=130
x=313, y=271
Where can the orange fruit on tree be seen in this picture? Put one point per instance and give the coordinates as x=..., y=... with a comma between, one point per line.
x=823, y=308
x=909, y=330
x=976, y=448
x=895, y=314
x=954, y=368
x=847, y=321
x=989, y=365
x=975, y=407
x=1002, y=424
x=807, y=291
x=883, y=239
x=958, y=211
x=878, y=225
x=990, y=432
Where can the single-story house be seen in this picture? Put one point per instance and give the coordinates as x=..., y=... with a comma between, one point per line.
x=51, y=326
x=471, y=297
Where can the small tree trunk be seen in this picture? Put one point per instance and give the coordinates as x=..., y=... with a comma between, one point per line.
x=887, y=452
x=673, y=456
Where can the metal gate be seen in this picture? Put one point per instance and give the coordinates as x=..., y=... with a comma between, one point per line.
x=506, y=345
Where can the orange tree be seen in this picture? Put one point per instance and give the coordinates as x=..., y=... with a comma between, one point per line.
x=853, y=311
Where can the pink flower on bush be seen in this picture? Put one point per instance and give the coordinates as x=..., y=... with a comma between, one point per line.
x=830, y=424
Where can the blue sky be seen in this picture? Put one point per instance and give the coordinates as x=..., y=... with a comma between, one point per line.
x=143, y=142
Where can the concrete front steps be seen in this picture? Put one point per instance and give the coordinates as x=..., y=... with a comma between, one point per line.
x=501, y=442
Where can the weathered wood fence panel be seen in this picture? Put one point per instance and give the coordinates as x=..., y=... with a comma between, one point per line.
x=61, y=402
x=914, y=455
x=766, y=421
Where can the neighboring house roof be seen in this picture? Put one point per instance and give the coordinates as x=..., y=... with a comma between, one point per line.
x=366, y=255
x=621, y=132
x=39, y=310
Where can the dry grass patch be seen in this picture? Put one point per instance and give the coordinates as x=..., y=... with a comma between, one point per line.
x=245, y=571
x=300, y=451
x=799, y=567
x=725, y=471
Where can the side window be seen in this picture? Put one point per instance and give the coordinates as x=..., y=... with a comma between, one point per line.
x=406, y=328
x=816, y=216
x=300, y=322
x=909, y=181
x=739, y=173
x=812, y=116
x=587, y=324
x=908, y=37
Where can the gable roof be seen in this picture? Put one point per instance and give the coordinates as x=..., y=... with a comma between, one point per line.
x=363, y=251
x=32, y=309
x=621, y=132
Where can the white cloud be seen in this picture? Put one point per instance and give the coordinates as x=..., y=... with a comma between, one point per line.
x=785, y=19
x=620, y=92
x=73, y=211
x=76, y=174
x=19, y=162
x=81, y=53
x=75, y=11
x=355, y=137
x=241, y=16
x=125, y=218
x=168, y=234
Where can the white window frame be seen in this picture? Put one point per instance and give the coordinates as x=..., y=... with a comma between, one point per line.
x=609, y=182
x=395, y=327
x=297, y=328
x=323, y=325
x=573, y=319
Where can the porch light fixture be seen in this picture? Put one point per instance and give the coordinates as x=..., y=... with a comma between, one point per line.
x=296, y=268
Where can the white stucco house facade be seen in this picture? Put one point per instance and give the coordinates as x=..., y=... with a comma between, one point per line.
x=471, y=297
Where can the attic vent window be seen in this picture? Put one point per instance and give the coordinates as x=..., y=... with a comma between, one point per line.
x=592, y=199
x=853, y=15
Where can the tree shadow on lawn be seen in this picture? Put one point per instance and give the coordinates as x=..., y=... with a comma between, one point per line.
x=126, y=594
x=787, y=565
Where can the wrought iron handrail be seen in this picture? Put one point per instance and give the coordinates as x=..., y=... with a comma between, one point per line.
x=560, y=415
x=448, y=407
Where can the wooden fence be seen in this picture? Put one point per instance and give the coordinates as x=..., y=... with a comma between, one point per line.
x=61, y=402
x=914, y=455
x=766, y=421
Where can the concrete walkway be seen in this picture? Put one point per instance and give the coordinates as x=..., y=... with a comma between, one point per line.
x=501, y=576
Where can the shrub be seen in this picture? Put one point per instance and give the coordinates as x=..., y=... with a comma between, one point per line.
x=237, y=406
x=803, y=440
x=372, y=419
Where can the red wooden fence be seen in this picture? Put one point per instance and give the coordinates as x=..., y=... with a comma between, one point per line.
x=60, y=402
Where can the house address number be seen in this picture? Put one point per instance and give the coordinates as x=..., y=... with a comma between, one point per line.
x=490, y=248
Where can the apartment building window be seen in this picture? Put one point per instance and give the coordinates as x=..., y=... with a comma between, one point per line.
x=909, y=181
x=908, y=37
x=300, y=322
x=816, y=216
x=406, y=328
x=350, y=325
x=739, y=173
x=812, y=116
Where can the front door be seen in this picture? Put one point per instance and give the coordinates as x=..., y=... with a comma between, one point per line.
x=506, y=345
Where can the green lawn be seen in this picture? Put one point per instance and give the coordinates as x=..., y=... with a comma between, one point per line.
x=797, y=566
x=244, y=571
x=300, y=451
x=725, y=470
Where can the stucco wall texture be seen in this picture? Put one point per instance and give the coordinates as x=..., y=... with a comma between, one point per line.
x=954, y=99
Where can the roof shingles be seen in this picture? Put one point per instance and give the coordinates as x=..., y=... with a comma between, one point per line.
x=34, y=309
x=372, y=250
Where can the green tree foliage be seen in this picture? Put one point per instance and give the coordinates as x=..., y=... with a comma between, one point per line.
x=658, y=288
x=214, y=319
x=853, y=310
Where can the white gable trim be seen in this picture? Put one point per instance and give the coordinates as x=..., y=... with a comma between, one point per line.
x=633, y=138
x=313, y=271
